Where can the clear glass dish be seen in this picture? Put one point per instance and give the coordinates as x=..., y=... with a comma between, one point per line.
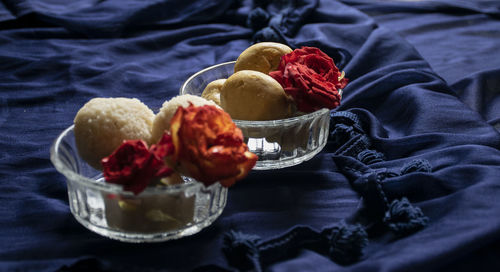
x=156, y=214
x=278, y=143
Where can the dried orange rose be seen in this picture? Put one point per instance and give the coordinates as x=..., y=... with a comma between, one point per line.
x=209, y=146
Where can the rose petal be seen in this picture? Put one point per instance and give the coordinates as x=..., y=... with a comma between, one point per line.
x=311, y=78
x=133, y=165
x=209, y=146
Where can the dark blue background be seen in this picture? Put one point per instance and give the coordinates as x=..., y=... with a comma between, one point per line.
x=425, y=79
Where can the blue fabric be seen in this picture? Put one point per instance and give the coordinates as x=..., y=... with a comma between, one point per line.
x=341, y=243
x=424, y=80
x=456, y=38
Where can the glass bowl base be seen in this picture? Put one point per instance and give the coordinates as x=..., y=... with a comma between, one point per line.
x=134, y=237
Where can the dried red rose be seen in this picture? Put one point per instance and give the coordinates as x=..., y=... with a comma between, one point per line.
x=311, y=78
x=134, y=166
x=209, y=146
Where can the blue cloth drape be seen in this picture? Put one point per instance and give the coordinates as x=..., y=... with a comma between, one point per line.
x=423, y=87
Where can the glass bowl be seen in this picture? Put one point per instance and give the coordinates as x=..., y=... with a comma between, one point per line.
x=278, y=143
x=156, y=214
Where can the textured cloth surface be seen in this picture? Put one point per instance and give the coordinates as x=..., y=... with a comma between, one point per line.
x=458, y=40
x=424, y=79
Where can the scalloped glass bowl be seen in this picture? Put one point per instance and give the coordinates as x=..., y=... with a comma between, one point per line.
x=278, y=143
x=156, y=214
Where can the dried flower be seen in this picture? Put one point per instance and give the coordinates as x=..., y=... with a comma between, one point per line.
x=134, y=166
x=311, y=78
x=209, y=146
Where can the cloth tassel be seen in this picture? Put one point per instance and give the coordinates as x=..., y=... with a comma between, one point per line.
x=398, y=215
x=241, y=250
x=342, y=243
x=403, y=218
x=370, y=156
x=257, y=19
x=276, y=23
x=417, y=165
x=346, y=243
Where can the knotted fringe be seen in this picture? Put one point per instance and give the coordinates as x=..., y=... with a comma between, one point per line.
x=346, y=117
x=417, y=165
x=399, y=216
x=257, y=19
x=403, y=219
x=341, y=243
x=369, y=156
x=286, y=18
x=346, y=243
x=241, y=250
x=347, y=134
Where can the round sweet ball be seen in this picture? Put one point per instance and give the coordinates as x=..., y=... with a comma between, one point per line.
x=102, y=124
x=263, y=57
x=255, y=96
x=212, y=91
x=162, y=119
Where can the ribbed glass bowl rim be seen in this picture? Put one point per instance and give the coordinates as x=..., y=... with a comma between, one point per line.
x=71, y=175
x=269, y=123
